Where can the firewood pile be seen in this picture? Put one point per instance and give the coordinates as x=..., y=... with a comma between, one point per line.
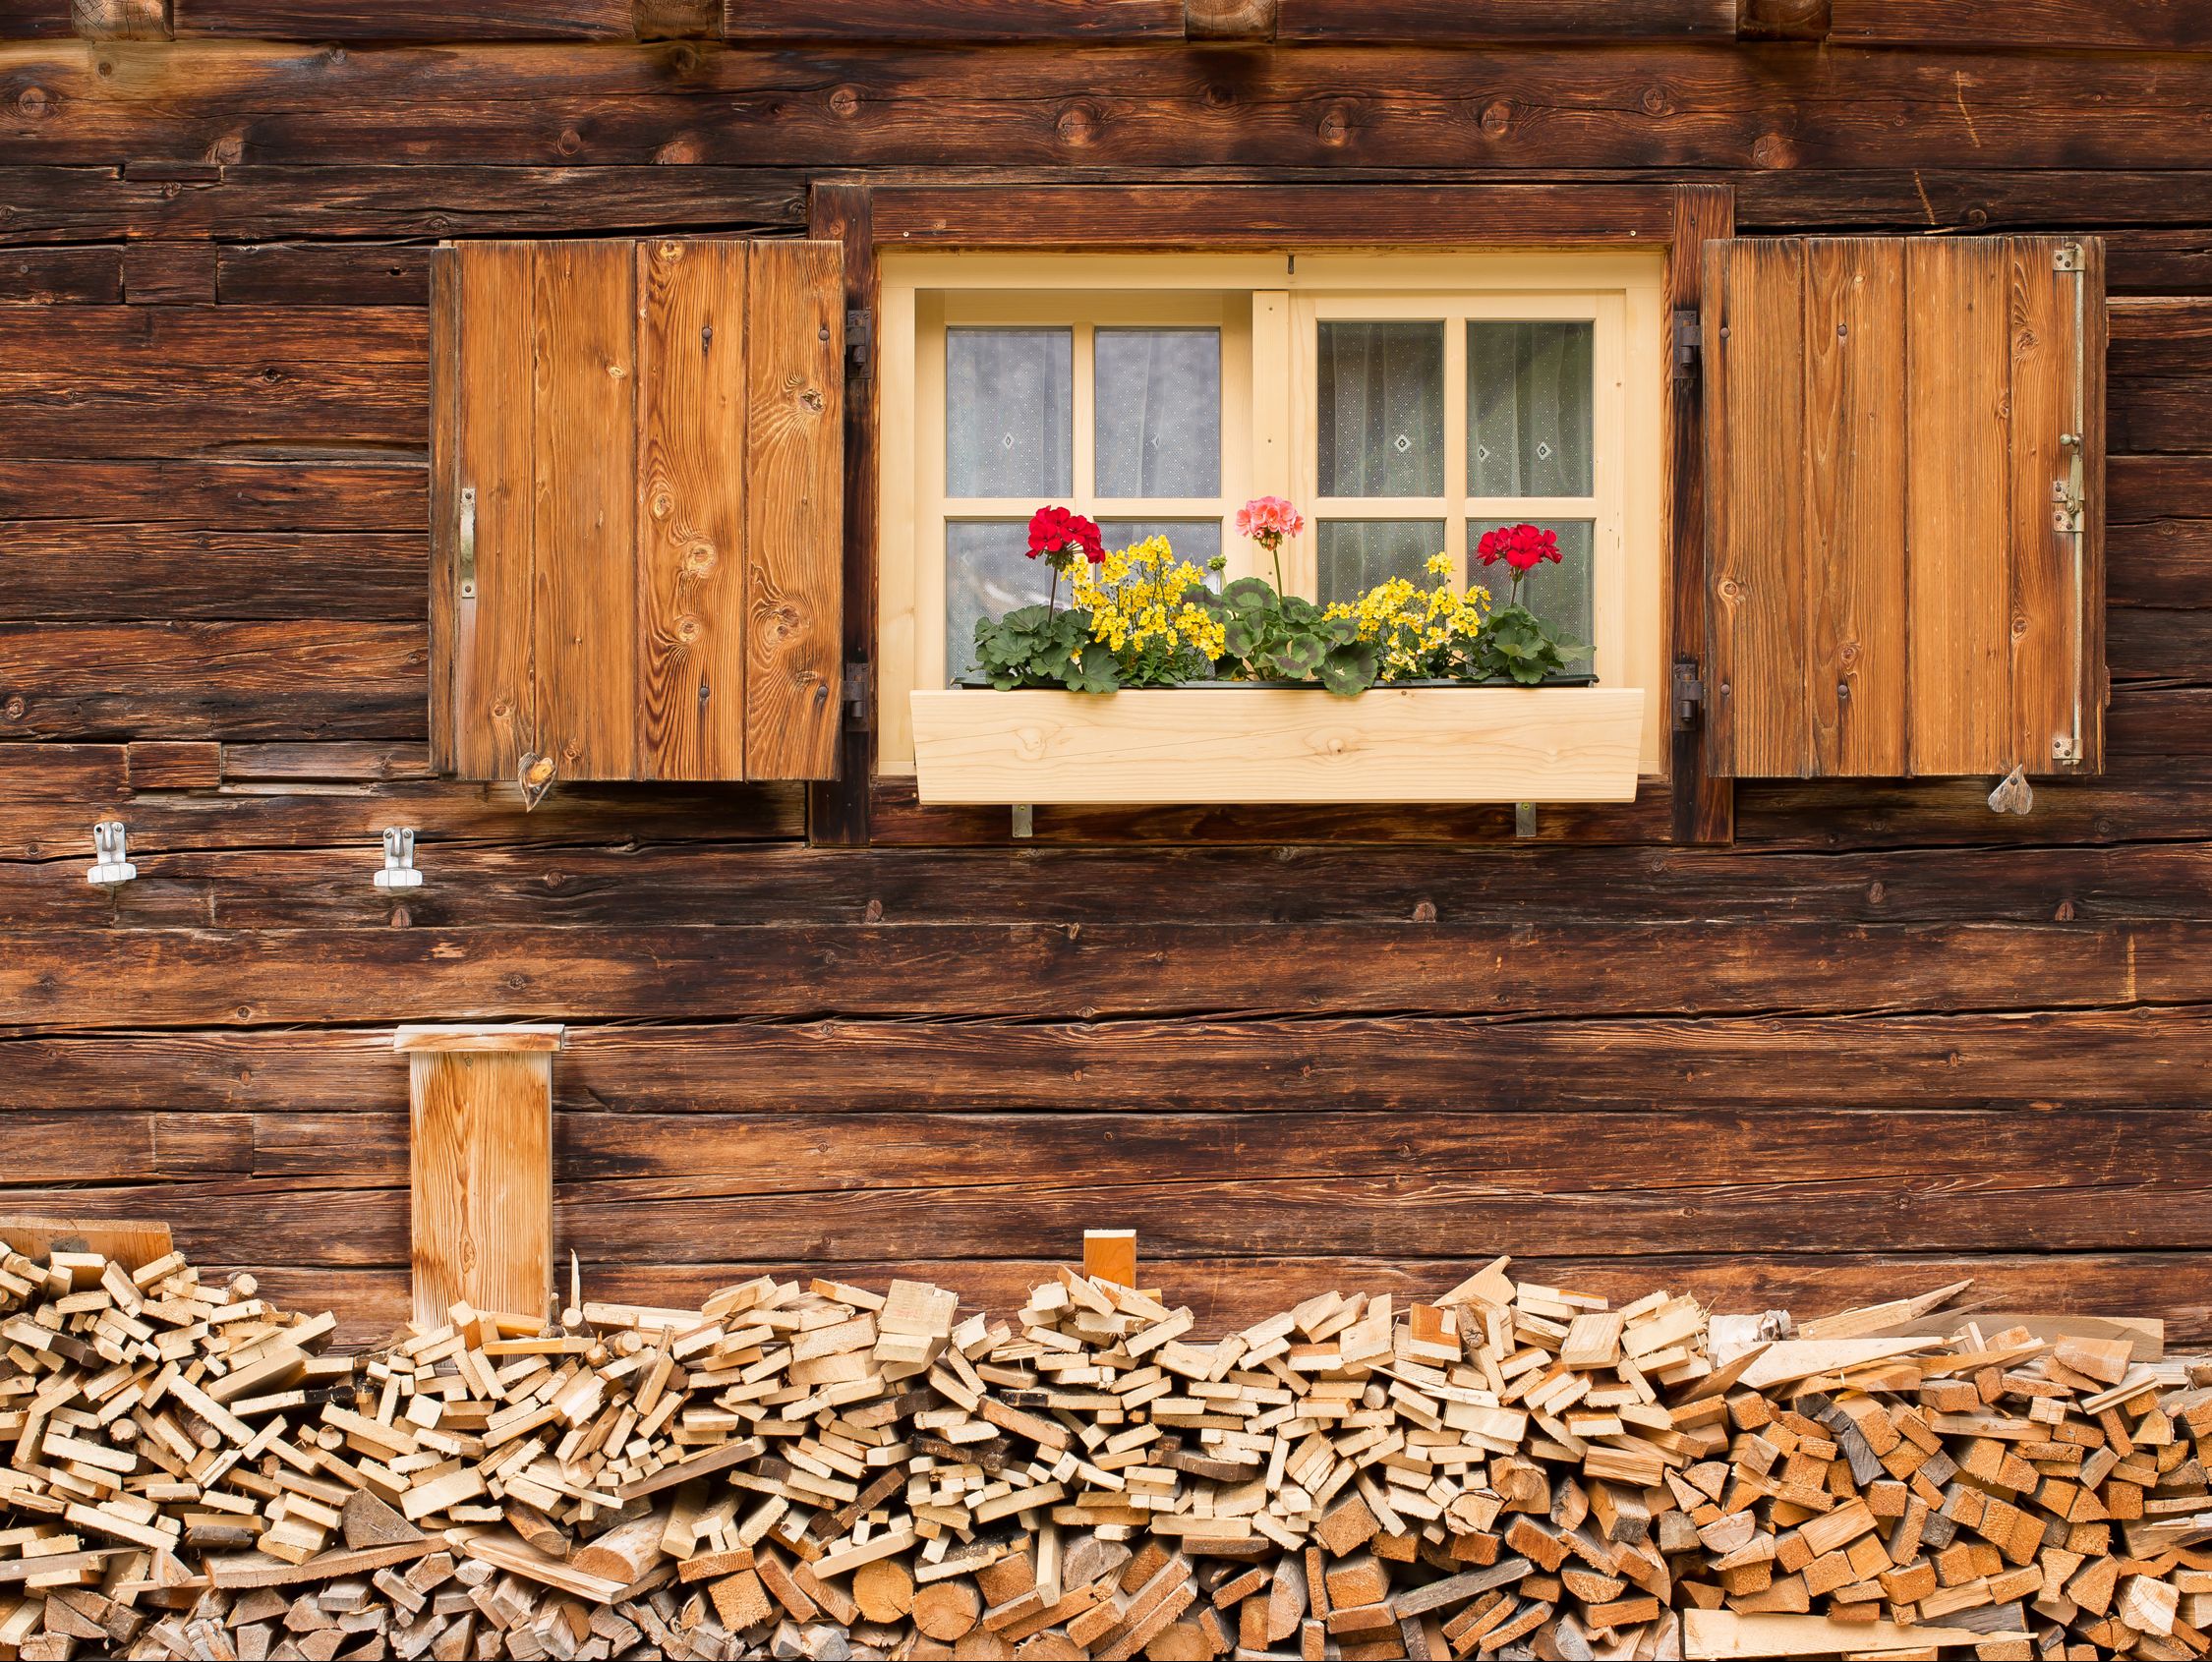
x=824, y=1472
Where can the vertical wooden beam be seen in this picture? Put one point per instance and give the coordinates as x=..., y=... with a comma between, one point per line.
x=1704, y=807
x=480, y=1167
x=837, y=810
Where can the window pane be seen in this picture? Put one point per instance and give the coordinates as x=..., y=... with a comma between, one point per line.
x=1358, y=553
x=1195, y=540
x=1529, y=408
x=1383, y=409
x=1009, y=412
x=988, y=572
x=1559, y=593
x=1159, y=412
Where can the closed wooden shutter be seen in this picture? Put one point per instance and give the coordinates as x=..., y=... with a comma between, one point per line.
x=637, y=502
x=1904, y=459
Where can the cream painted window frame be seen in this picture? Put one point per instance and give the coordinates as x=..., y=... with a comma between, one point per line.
x=1274, y=449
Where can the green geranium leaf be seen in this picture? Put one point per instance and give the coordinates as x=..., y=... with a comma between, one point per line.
x=1351, y=669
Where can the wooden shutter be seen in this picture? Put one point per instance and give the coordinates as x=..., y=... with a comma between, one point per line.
x=637, y=505
x=1904, y=460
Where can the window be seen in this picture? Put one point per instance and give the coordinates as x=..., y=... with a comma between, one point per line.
x=1407, y=403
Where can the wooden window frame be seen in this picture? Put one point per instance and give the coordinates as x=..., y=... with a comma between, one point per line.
x=1683, y=804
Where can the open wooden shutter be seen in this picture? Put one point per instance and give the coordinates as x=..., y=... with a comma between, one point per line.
x=637, y=505
x=1904, y=459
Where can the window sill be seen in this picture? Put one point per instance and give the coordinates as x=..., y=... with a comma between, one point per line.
x=1279, y=745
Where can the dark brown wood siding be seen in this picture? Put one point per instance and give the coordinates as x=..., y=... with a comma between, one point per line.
x=1882, y=1040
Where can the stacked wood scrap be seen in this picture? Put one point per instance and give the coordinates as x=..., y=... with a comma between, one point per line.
x=824, y=1471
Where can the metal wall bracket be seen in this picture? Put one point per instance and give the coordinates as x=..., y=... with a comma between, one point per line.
x=1024, y=820
x=112, y=866
x=399, y=860
x=1523, y=820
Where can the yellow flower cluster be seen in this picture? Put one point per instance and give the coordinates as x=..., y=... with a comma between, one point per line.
x=1408, y=623
x=1137, y=600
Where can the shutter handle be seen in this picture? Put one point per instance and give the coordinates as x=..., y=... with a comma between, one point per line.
x=465, y=558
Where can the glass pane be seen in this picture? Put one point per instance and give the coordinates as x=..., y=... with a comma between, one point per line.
x=1010, y=398
x=1159, y=412
x=1383, y=410
x=1529, y=408
x=1358, y=553
x=1195, y=540
x=1559, y=593
x=988, y=572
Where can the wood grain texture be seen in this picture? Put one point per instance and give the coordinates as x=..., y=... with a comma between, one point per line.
x=487, y=408
x=1256, y=745
x=1204, y=213
x=1536, y=111
x=692, y=484
x=2143, y=1058
x=879, y=20
x=1448, y=23
x=293, y=679
x=794, y=508
x=584, y=600
x=180, y=977
x=2157, y=25
x=480, y=1200
x=1755, y=431
x=402, y=19
x=1854, y=504
x=1958, y=499
x=294, y=273
x=61, y=277
x=108, y=382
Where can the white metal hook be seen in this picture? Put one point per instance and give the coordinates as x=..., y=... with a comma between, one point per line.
x=112, y=867
x=399, y=860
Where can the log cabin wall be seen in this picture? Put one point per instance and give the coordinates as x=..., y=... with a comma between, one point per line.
x=1884, y=1039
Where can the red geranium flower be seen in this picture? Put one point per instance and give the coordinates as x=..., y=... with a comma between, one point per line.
x=1056, y=533
x=1522, y=547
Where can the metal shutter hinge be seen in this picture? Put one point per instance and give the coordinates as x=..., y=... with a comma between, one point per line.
x=1689, y=694
x=1689, y=342
x=2067, y=493
x=2067, y=256
x=859, y=344
x=859, y=696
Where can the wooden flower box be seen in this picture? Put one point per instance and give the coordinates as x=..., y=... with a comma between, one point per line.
x=1258, y=744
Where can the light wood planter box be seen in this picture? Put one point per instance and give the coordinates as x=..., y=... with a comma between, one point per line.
x=1270, y=744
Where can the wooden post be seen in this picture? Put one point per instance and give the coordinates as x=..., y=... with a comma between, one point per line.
x=480, y=1165
x=1111, y=1255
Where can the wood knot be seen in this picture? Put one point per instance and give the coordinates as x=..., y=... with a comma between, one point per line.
x=844, y=103
x=1228, y=20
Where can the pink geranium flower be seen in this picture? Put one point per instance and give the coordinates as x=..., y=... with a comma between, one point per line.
x=1267, y=520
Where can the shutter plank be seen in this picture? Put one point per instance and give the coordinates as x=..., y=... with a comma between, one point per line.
x=585, y=622
x=1958, y=504
x=794, y=508
x=493, y=709
x=691, y=499
x=1854, y=565
x=1756, y=418
x=2044, y=346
